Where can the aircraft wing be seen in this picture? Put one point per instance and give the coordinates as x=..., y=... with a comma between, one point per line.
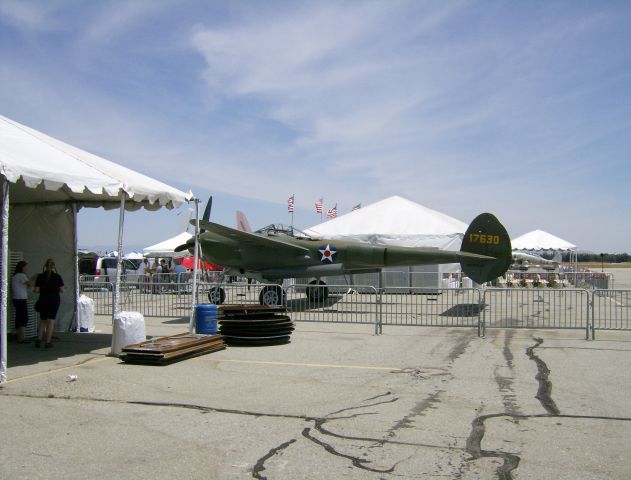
x=253, y=239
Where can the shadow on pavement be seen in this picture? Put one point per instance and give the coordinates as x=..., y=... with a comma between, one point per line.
x=64, y=345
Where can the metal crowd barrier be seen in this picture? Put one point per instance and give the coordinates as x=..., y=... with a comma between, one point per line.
x=430, y=307
x=344, y=304
x=611, y=310
x=538, y=308
x=482, y=308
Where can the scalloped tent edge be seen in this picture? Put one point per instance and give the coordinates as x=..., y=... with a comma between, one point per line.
x=44, y=183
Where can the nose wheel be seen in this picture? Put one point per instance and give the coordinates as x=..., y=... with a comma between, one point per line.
x=217, y=295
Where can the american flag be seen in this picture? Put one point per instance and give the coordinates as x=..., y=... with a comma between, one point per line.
x=332, y=213
x=357, y=207
x=319, y=205
x=290, y=204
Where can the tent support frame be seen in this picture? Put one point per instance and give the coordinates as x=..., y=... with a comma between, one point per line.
x=119, y=258
x=4, y=278
x=191, y=323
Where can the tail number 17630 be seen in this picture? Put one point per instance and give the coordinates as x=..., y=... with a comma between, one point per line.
x=484, y=239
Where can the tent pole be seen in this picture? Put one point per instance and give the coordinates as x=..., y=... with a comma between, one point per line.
x=75, y=240
x=4, y=279
x=119, y=259
x=191, y=325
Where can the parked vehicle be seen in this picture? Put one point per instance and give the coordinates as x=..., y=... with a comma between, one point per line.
x=97, y=269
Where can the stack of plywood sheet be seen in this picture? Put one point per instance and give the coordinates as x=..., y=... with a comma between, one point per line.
x=164, y=350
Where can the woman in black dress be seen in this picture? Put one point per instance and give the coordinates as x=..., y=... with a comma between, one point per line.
x=49, y=285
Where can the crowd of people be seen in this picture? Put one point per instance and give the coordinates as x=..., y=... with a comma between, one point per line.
x=48, y=286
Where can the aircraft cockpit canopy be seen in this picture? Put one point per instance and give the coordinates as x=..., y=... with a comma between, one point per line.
x=276, y=229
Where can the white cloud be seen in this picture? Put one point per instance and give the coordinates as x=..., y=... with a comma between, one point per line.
x=462, y=106
x=28, y=16
x=112, y=21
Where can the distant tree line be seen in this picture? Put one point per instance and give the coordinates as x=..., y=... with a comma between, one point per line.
x=600, y=257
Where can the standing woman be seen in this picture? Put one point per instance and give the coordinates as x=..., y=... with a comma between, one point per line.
x=19, y=285
x=49, y=285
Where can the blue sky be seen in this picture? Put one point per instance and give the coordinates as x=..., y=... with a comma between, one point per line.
x=522, y=109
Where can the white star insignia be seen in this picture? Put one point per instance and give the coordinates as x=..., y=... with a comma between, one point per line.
x=328, y=253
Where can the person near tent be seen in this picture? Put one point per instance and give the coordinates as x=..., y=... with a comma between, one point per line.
x=181, y=275
x=19, y=288
x=165, y=274
x=157, y=276
x=49, y=285
x=143, y=275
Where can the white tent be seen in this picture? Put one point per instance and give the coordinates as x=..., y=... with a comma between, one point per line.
x=44, y=183
x=398, y=221
x=167, y=247
x=540, y=240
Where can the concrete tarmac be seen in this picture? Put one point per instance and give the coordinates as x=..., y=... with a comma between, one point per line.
x=336, y=402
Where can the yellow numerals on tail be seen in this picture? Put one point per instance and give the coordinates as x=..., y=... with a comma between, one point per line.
x=484, y=239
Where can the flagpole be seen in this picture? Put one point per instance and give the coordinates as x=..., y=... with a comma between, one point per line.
x=291, y=207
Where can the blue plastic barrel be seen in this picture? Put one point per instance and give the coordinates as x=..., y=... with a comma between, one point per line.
x=206, y=318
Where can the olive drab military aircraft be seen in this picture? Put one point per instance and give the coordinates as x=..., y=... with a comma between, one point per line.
x=274, y=253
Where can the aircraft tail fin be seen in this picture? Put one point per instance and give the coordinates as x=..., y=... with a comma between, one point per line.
x=242, y=222
x=487, y=237
x=558, y=257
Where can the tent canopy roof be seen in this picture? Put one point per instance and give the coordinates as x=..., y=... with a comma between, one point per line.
x=166, y=248
x=540, y=240
x=393, y=216
x=44, y=169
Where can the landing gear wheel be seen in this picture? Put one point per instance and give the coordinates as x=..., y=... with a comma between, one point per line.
x=217, y=295
x=272, y=295
x=319, y=292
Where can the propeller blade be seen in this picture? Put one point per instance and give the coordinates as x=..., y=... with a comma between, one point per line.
x=206, y=216
x=208, y=208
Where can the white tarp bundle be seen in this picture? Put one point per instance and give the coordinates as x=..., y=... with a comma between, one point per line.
x=167, y=247
x=44, y=183
x=540, y=240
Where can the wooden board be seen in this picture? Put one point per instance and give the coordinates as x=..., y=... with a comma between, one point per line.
x=171, y=343
x=163, y=350
x=160, y=360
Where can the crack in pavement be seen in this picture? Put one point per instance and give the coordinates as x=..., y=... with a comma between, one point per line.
x=544, y=395
x=319, y=426
x=505, y=383
x=418, y=409
x=506, y=351
x=544, y=392
x=260, y=464
x=511, y=460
